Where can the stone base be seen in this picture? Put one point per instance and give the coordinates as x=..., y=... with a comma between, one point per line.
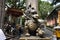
x=33, y=38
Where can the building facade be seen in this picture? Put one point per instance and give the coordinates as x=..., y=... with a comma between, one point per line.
x=54, y=17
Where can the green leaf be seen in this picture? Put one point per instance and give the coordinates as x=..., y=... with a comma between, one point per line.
x=44, y=8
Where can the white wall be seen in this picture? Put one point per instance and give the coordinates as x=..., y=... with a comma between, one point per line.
x=50, y=1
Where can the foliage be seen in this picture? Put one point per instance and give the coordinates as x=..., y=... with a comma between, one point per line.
x=44, y=8
x=15, y=3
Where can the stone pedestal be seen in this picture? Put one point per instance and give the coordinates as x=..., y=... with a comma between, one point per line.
x=33, y=38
